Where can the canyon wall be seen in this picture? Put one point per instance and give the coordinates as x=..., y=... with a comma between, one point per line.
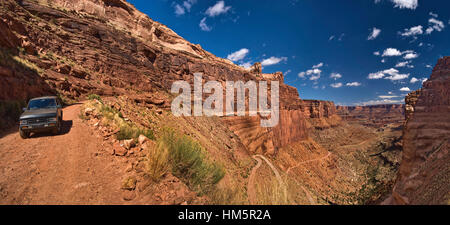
x=424, y=175
x=372, y=115
x=81, y=47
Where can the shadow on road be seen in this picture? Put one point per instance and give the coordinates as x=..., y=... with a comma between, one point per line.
x=9, y=131
x=65, y=128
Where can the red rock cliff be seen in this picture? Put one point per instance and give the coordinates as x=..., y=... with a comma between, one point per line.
x=79, y=47
x=372, y=115
x=424, y=175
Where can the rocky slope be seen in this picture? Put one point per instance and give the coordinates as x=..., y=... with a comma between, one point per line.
x=424, y=175
x=372, y=115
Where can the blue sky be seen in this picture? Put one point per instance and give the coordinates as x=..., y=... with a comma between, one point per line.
x=348, y=51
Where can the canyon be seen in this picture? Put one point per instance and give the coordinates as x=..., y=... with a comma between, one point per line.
x=324, y=154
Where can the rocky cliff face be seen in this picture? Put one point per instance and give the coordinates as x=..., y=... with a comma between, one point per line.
x=424, y=175
x=320, y=114
x=82, y=47
x=372, y=115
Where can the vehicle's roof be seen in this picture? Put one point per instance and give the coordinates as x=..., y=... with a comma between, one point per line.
x=45, y=97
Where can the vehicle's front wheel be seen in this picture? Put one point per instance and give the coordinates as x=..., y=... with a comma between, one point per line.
x=57, y=129
x=24, y=134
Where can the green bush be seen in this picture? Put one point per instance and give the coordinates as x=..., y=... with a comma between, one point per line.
x=94, y=96
x=157, y=164
x=128, y=131
x=189, y=162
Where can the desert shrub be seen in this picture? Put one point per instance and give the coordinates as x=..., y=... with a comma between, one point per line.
x=94, y=96
x=189, y=163
x=128, y=131
x=157, y=164
x=114, y=118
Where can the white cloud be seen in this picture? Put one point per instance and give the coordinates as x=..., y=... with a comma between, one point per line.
x=335, y=76
x=302, y=74
x=238, y=55
x=388, y=96
x=402, y=64
x=391, y=52
x=408, y=4
x=340, y=38
x=405, y=89
x=433, y=14
x=391, y=71
x=314, y=77
x=204, y=26
x=272, y=61
x=408, y=54
x=413, y=80
x=376, y=53
x=413, y=31
x=318, y=65
x=390, y=74
x=375, y=76
x=179, y=10
x=397, y=77
x=336, y=85
x=353, y=84
x=217, y=9
x=246, y=65
x=434, y=25
x=378, y=102
x=411, y=56
x=188, y=4
x=314, y=72
x=374, y=34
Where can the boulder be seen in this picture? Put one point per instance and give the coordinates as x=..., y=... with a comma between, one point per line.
x=256, y=68
x=142, y=139
x=88, y=111
x=128, y=144
x=119, y=150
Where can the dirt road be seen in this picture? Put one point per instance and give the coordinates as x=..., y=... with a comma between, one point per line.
x=307, y=161
x=251, y=192
x=70, y=168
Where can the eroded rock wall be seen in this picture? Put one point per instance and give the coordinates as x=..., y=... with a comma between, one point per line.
x=424, y=175
x=372, y=115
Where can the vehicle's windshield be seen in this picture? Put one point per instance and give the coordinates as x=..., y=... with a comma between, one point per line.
x=42, y=103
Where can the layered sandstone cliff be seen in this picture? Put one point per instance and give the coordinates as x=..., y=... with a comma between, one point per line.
x=105, y=47
x=424, y=175
x=372, y=115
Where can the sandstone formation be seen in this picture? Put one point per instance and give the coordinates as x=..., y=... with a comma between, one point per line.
x=105, y=47
x=424, y=175
x=372, y=115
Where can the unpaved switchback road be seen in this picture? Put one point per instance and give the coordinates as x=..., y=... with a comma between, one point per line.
x=69, y=168
x=251, y=191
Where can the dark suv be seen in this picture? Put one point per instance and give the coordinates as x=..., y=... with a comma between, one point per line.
x=42, y=114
